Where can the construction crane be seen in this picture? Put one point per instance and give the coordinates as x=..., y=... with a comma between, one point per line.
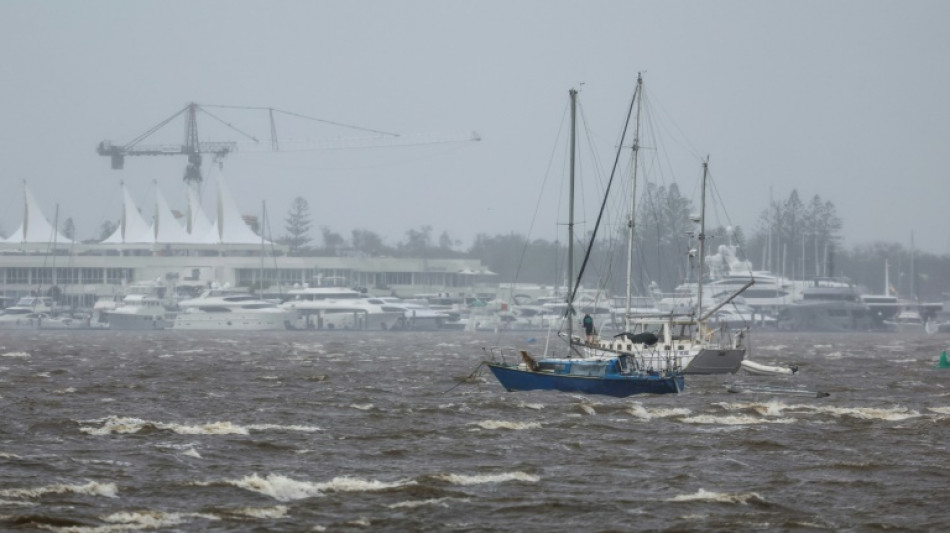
x=193, y=148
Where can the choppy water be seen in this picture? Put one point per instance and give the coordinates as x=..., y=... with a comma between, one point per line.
x=297, y=431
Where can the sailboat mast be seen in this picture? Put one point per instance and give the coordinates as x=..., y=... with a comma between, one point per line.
x=887, y=280
x=702, y=237
x=260, y=283
x=914, y=286
x=631, y=223
x=570, y=222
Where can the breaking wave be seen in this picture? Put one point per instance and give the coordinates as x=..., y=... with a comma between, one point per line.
x=125, y=425
x=504, y=424
x=459, y=479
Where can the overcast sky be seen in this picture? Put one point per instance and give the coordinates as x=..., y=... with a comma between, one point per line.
x=844, y=99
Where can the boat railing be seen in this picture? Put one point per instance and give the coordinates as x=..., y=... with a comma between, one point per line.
x=502, y=354
x=652, y=359
x=728, y=337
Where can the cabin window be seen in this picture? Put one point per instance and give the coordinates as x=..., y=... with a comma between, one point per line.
x=593, y=369
x=215, y=309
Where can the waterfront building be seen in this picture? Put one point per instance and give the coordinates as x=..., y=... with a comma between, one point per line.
x=225, y=251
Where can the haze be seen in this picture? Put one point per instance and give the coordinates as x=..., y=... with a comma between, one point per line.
x=842, y=99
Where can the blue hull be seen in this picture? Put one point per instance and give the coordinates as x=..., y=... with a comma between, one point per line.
x=516, y=379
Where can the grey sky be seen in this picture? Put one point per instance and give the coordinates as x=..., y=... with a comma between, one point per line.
x=843, y=99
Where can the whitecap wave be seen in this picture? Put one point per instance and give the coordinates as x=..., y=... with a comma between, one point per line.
x=279, y=511
x=92, y=488
x=191, y=452
x=867, y=413
x=478, y=479
x=776, y=408
x=717, y=497
x=638, y=410
x=127, y=520
x=735, y=420
x=129, y=425
x=535, y=406
x=283, y=488
x=412, y=504
x=124, y=425
x=505, y=424
x=279, y=427
x=14, y=354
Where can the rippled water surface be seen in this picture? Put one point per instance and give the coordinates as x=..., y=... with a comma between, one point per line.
x=302, y=431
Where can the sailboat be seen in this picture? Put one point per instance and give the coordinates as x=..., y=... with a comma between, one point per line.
x=683, y=342
x=587, y=368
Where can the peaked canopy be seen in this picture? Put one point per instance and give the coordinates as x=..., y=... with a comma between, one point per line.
x=35, y=228
x=199, y=227
x=133, y=229
x=229, y=227
x=166, y=227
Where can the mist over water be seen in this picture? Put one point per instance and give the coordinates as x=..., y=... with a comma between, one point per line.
x=295, y=431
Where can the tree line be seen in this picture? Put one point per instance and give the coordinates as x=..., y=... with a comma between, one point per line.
x=796, y=238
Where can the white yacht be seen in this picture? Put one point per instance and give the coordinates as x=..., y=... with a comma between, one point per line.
x=340, y=308
x=828, y=304
x=770, y=293
x=231, y=309
x=144, y=307
x=410, y=314
x=34, y=312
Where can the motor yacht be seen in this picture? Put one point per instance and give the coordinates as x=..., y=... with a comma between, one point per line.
x=144, y=307
x=231, y=309
x=340, y=308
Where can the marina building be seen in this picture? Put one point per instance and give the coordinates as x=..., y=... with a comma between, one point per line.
x=38, y=259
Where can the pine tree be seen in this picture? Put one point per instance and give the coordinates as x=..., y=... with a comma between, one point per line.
x=69, y=229
x=297, y=225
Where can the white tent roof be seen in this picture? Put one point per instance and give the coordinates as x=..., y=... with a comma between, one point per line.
x=133, y=228
x=35, y=227
x=166, y=227
x=199, y=227
x=230, y=227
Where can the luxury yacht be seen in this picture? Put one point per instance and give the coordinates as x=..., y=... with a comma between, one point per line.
x=144, y=307
x=231, y=309
x=339, y=308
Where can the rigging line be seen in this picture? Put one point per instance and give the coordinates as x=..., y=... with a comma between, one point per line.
x=299, y=115
x=468, y=379
x=685, y=143
x=537, y=207
x=154, y=128
x=718, y=196
x=228, y=124
x=613, y=173
x=328, y=145
x=334, y=123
